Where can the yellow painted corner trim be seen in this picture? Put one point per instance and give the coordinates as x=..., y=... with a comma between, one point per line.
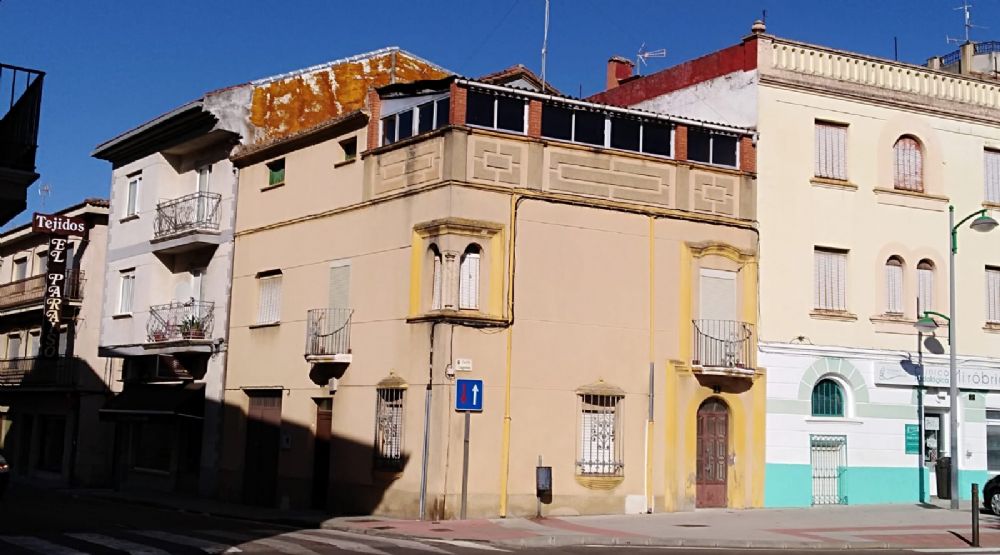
x=416, y=272
x=600, y=482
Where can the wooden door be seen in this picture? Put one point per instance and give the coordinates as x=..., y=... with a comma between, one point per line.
x=713, y=454
x=260, y=468
x=321, y=452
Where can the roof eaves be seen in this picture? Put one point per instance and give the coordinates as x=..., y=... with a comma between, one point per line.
x=109, y=144
x=349, y=59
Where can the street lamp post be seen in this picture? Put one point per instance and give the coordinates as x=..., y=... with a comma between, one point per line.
x=981, y=223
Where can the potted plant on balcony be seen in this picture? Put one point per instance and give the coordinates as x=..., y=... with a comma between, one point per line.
x=158, y=335
x=192, y=327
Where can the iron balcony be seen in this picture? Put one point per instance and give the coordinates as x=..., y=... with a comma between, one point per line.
x=724, y=346
x=187, y=223
x=184, y=321
x=328, y=335
x=31, y=291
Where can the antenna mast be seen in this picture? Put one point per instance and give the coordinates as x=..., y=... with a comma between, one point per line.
x=43, y=193
x=967, y=25
x=545, y=45
x=643, y=55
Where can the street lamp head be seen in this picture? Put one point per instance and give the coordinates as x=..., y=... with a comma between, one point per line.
x=983, y=223
x=926, y=325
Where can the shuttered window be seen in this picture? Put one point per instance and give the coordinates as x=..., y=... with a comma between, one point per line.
x=389, y=429
x=830, y=279
x=269, y=298
x=340, y=286
x=468, y=287
x=831, y=150
x=126, y=292
x=993, y=295
x=436, y=282
x=909, y=165
x=991, y=175
x=925, y=284
x=13, y=346
x=894, y=286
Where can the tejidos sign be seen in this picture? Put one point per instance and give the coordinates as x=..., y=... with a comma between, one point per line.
x=57, y=225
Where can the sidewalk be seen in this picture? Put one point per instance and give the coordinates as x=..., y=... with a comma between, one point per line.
x=836, y=527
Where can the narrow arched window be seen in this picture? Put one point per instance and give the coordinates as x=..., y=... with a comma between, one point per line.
x=909, y=165
x=468, y=286
x=894, y=285
x=925, y=284
x=827, y=398
x=436, y=279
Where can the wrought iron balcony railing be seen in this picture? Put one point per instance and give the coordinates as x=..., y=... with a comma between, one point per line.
x=38, y=372
x=328, y=332
x=194, y=212
x=180, y=320
x=20, y=104
x=725, y=344
x=32, y=290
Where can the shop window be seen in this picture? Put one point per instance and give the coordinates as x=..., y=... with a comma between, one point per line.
x=51, y=442
x=389, y=428
x=827, y=398
x=600, y=443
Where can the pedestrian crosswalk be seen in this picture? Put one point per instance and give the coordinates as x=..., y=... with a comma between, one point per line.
x=289, y=542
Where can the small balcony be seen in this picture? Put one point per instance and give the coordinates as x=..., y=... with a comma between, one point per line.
x=724, y=347
x=180, y=326
x=328, y=335
x=38, y=373
x=187, y=223
x=20, y=106
x=24, y=293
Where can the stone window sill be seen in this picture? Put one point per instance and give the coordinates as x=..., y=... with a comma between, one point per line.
x=910, y=199
x=343, y=163
x=839, y=315
x=265, y=325
x=827, y=183
x=992, y=327
x=121, y=316
x=830, y=419
x=128, y=218
x=274, y=186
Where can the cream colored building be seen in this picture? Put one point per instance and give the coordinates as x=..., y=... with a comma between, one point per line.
x=568, y=254
x=859, y=159
x=49, y=425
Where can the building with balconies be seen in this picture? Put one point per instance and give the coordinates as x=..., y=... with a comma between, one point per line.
x=49, y=425
x=20, y=110
x=583, y=260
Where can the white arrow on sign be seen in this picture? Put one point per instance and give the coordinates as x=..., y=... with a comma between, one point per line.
x=475, y=394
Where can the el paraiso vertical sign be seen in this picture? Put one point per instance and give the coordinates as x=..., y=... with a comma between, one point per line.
x=58, y=228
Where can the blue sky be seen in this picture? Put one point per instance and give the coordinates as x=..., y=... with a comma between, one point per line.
x=112, y=65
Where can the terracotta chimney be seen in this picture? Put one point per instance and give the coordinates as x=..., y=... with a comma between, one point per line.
x=619, y=69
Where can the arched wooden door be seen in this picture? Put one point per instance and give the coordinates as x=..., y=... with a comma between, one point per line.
x=713, y=454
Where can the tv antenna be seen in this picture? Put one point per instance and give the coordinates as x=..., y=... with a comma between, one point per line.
x=43, y=192
x=968, y=26
x=643, y=55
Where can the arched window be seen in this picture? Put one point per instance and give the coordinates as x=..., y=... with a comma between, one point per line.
x=908, y=165
x=894, y=285
x=468, y=286
x=827, y=398
x=925, y=284
x=436, y=279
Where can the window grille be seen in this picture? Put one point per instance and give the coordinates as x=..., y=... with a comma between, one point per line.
x=831, y=151
x=894, y=286
x=269, y=300
x=991, y=175
x=827, y=398
x=468, y=287
x=601, y=442
x=389, y=429
x=925, y=284
x=831, y=279
x=993, y=295
x=909, y=165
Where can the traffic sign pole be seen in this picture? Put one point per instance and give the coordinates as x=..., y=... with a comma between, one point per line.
x=465, y=466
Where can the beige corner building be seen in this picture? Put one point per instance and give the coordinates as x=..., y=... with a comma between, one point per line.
x=600, y=283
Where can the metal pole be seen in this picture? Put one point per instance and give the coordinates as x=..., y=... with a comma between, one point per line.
x=428, y=397
x=465, y=467
x=921, y=464
x=953, y=366
x=975, y=515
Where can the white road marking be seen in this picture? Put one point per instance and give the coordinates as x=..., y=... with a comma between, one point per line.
x=277, y=545
x=408, y=544
x=204, y=545
x=39, y=545
x=346, y=545
x=131, y=548
x=958, y=550
x=469, y=545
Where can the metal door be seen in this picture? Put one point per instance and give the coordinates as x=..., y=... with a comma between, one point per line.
x=829, y=461
x=713, y=454
x=260, y=467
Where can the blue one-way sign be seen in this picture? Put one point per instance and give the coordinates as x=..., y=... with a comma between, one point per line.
x=469, y=395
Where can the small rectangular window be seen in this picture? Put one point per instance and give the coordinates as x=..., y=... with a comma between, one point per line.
x=132, y=195
x=991, y=175
x=830, y=279
x=276, y=172
x=993, y=295
x=20, y=269
x=425, y=117
x=43, y=263
x=126, y=291
x=405, y=128
x=14, y=346
x=269, y=297
x=389, y=428
x=831, y=150
x=625, y=133
x=557, y=122
x=699, y=145
x=350, y=148
x=34, y=344
x=656, y=138
x=479, y=109
x=389, y=130
x=443, y=114
x=589, y=128
x=724, y=149
x=510, y=114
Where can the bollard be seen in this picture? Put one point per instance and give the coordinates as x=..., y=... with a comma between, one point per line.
x=975, y=515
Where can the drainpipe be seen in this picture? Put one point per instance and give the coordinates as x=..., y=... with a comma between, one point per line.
x=505, y=440
x=427, y=426
x=648, y=477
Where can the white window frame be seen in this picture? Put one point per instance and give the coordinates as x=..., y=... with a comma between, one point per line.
x=435, y=101
x=524, y=123
x=132, y=185
x=470, y=278
x=991, y=175
x=894, y=285
x=925, y=285
x=830, y=146
x=823, y=297
x=993, y=295
x=712, y=134
x=126, y=284
x=437, y=281
x=269, y=301
x=608, y=124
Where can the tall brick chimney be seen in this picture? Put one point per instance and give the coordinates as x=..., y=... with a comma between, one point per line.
x=619, y=69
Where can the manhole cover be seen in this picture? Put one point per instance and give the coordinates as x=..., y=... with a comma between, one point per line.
x=692, y=525
x=441, y=530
